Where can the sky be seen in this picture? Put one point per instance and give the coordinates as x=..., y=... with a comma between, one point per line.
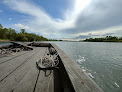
x=63, y=19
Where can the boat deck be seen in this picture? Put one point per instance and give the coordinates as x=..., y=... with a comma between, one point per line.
x=19, y=73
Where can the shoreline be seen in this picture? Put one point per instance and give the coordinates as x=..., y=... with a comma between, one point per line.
x=4, y=40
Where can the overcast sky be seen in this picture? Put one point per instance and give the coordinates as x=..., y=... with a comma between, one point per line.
x=64, y=19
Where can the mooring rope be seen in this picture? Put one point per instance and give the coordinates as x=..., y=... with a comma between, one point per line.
x=48, y=61
x=52, y=50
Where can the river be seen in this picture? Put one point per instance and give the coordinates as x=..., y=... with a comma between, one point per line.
x=102, y=61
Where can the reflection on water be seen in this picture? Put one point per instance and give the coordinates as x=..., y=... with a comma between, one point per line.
x=4, y=43
x=101, y=61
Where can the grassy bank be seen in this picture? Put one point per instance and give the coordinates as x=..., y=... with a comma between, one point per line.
x=105, y=39
x=4, y=40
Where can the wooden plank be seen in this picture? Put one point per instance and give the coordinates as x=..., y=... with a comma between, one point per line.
x=80, y=81
x=56, y=81
x=40, y=44
x=53, y=81
x=45, y=81
x=11, y=56
x=22, y=45
x=4, y=46
x=10, y=66
x=24, y=78
x=26, y=43
x=28, y=83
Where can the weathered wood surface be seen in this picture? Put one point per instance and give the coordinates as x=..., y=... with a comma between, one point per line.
x=11, y=65
x=5, y=46
x=28, y=83
x=45, y=81
x=40, y=44
x=11, y=56
x=21, y=74
x=80, y=81
x=23, y=45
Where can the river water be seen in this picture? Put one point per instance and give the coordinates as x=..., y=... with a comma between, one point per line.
x=100, y=61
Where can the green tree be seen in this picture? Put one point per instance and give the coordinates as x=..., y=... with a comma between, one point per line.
x=1, y=26
x=105, y=39
x=3, y=33
x=11, y=34
x=22, y=31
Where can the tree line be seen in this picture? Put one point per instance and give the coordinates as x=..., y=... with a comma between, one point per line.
x=11, y=34
x=105, y=39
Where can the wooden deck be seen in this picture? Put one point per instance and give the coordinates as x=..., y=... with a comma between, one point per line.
x=19, y=73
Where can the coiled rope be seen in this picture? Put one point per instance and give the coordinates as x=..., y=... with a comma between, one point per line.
x=48, y=61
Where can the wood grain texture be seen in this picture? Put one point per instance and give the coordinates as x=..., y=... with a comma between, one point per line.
x=45, y=81
x=11, y=56
x=8, y=57
x=27, y=84
x=23, y=78
x=11, y=65
x=80, y=81
x=25, y=45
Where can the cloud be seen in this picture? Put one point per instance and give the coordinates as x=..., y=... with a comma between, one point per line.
x=82, y=36
x=79, y=6
x=108, y=34
x=98, y=17
x=10, y=18
x=41, y=21
x=113, y=31
x=1, y=11
x=21, y=26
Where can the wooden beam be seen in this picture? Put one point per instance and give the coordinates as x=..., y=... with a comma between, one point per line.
x=22, y=45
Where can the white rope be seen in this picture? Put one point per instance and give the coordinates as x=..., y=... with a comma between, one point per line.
x=52, y=50
x=49, y=61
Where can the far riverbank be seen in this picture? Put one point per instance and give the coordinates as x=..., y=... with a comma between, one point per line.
x=4, y=40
